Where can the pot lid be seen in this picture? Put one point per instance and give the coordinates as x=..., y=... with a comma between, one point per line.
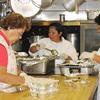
x=27, y=8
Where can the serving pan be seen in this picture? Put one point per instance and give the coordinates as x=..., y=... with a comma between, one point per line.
x=67, y=69
x=38, y=66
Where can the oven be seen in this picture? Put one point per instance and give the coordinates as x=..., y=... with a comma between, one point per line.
x=89, y=38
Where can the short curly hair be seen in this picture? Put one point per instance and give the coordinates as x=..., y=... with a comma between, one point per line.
x=13, y=21
x=97, y=19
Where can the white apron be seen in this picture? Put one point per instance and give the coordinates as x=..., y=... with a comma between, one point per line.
x=11, y=66
x=97, y=67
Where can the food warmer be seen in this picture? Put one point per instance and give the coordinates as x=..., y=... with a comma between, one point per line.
x=39, y=65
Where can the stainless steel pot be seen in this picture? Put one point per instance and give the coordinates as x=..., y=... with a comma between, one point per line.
x=35, y=38
x=46, y=3
x=39, y=66
x=73, y=38
x=71, y=5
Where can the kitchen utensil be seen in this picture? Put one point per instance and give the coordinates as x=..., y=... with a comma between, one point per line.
x=46, y=3
x=39, y=66
x=25, y=7
x=53, y=51
x=76, y=69
x=71, y=5
x=74, y=39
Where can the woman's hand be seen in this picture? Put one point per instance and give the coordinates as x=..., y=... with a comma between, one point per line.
x=37, y=47
x=34, y=48
x=87, y=55
x=28, y=79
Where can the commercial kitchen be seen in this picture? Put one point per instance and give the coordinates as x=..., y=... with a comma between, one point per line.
x=63, y=81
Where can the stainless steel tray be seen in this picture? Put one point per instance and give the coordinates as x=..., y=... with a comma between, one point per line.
x=76, y=65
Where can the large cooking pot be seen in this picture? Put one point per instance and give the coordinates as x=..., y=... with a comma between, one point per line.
x=74, y=39
x=46, y=3
x=27, y=8
x=70, y=5
x=35, y=38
